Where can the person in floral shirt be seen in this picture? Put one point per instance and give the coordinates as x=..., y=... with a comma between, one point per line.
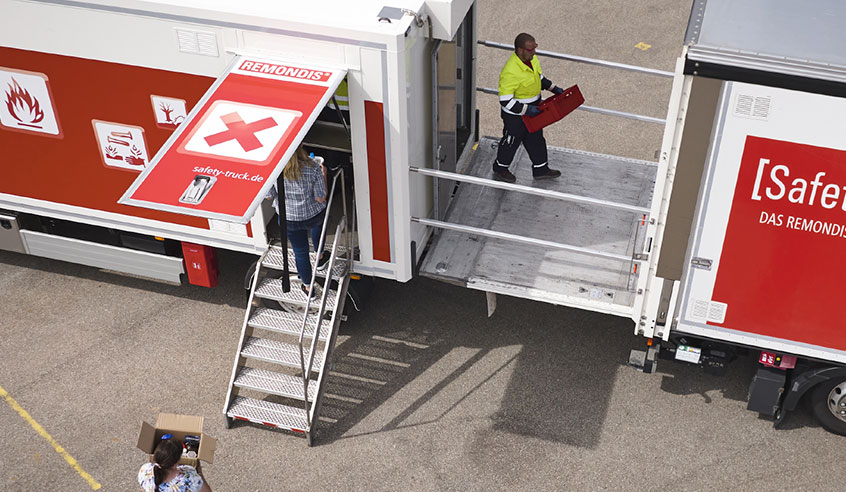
x=165, y=475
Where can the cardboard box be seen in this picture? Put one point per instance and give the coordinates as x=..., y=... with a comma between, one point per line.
x=180, y=426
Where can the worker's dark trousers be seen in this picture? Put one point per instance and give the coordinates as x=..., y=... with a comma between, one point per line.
x=514, y=133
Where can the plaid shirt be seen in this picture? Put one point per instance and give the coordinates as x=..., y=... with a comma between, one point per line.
x=301, y=195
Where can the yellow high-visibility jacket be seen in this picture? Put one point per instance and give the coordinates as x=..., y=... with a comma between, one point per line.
x=342, y=96
x=520, y=85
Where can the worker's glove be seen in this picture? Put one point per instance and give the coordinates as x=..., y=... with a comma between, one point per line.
x=557, y=90
x=532, y=110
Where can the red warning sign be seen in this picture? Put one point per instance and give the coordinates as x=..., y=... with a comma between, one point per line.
x=239, y=131
x=784, y=237
x=221, y=161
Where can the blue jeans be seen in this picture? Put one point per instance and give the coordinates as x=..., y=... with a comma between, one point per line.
x=298, y=232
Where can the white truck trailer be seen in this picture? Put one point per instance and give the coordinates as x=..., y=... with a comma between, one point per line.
x=749, y=216
x=92, y=91
x=142, y=136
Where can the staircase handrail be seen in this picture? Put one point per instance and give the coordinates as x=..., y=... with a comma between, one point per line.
x=306, y=368
x=319, y=247
x=342, y=224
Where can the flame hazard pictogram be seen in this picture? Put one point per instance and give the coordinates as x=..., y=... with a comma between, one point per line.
x=26, y=103
x=23, y=106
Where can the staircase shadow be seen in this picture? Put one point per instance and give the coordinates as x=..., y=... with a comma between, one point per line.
x=437, y=361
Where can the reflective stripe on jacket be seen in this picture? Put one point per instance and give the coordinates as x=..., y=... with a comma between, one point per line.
x=342, y=95
x=519, y=84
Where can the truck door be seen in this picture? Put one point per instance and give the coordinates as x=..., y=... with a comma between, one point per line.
x=452, y=118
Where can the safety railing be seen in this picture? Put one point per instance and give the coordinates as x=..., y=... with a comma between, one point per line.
x=557, y=195
x=642, y=212
x=589, y=61
x=527, y=189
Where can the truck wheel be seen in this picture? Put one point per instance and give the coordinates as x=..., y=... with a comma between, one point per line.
x=829, y=404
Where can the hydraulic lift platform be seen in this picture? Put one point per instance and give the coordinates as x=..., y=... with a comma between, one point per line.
x=576, y=250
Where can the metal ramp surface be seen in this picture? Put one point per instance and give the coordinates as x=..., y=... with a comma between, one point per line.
x=537, y=272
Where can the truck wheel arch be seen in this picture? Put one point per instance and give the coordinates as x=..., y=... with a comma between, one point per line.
x=808, y=380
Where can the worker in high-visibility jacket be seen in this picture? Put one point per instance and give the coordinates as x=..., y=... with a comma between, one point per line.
x=520, y=84
x=333, y=113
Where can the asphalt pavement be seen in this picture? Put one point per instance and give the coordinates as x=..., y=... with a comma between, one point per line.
x=428, y=393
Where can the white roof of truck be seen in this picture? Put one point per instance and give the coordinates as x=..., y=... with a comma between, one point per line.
x=340, y=19
x=803, y=38
x=360, y=15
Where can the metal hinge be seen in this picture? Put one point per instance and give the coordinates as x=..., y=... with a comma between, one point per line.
x=640, y=257
x=703, y=263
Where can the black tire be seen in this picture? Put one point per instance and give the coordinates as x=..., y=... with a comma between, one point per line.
x=822, y=406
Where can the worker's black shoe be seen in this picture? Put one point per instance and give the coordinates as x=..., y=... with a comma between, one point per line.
x=550, y=174
x=505, y=176
x=324, y=259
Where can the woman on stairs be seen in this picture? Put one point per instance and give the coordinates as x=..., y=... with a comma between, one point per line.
x=305, y=209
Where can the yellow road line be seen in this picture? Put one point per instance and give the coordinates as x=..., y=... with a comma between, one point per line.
x=40, y=430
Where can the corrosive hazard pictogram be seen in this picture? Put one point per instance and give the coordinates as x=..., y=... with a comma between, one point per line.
x=121, y=145
x=240, y=131
x=25, y=102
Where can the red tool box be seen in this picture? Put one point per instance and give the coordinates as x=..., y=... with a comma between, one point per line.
x=555, y=108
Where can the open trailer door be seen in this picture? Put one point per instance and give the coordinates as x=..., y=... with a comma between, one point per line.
x=223, y=159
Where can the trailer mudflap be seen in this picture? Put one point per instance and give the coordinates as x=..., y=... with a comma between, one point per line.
x=766, y=390
x=220, y=163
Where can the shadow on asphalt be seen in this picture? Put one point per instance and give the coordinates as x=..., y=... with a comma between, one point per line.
x=229, y=291
x=556, y=384
x=680, y=378
x=556, y=378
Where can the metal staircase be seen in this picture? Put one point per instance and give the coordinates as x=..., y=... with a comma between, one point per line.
x=287, y=337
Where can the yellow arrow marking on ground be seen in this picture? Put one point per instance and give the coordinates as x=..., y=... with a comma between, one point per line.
x=43, y=433
x=643, y=46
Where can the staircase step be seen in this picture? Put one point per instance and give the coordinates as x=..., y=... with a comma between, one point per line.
x=271, y=288
x=267, y=413
x=275, y=255
x=285, y=322
x=274, y=383
x=286, y=354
